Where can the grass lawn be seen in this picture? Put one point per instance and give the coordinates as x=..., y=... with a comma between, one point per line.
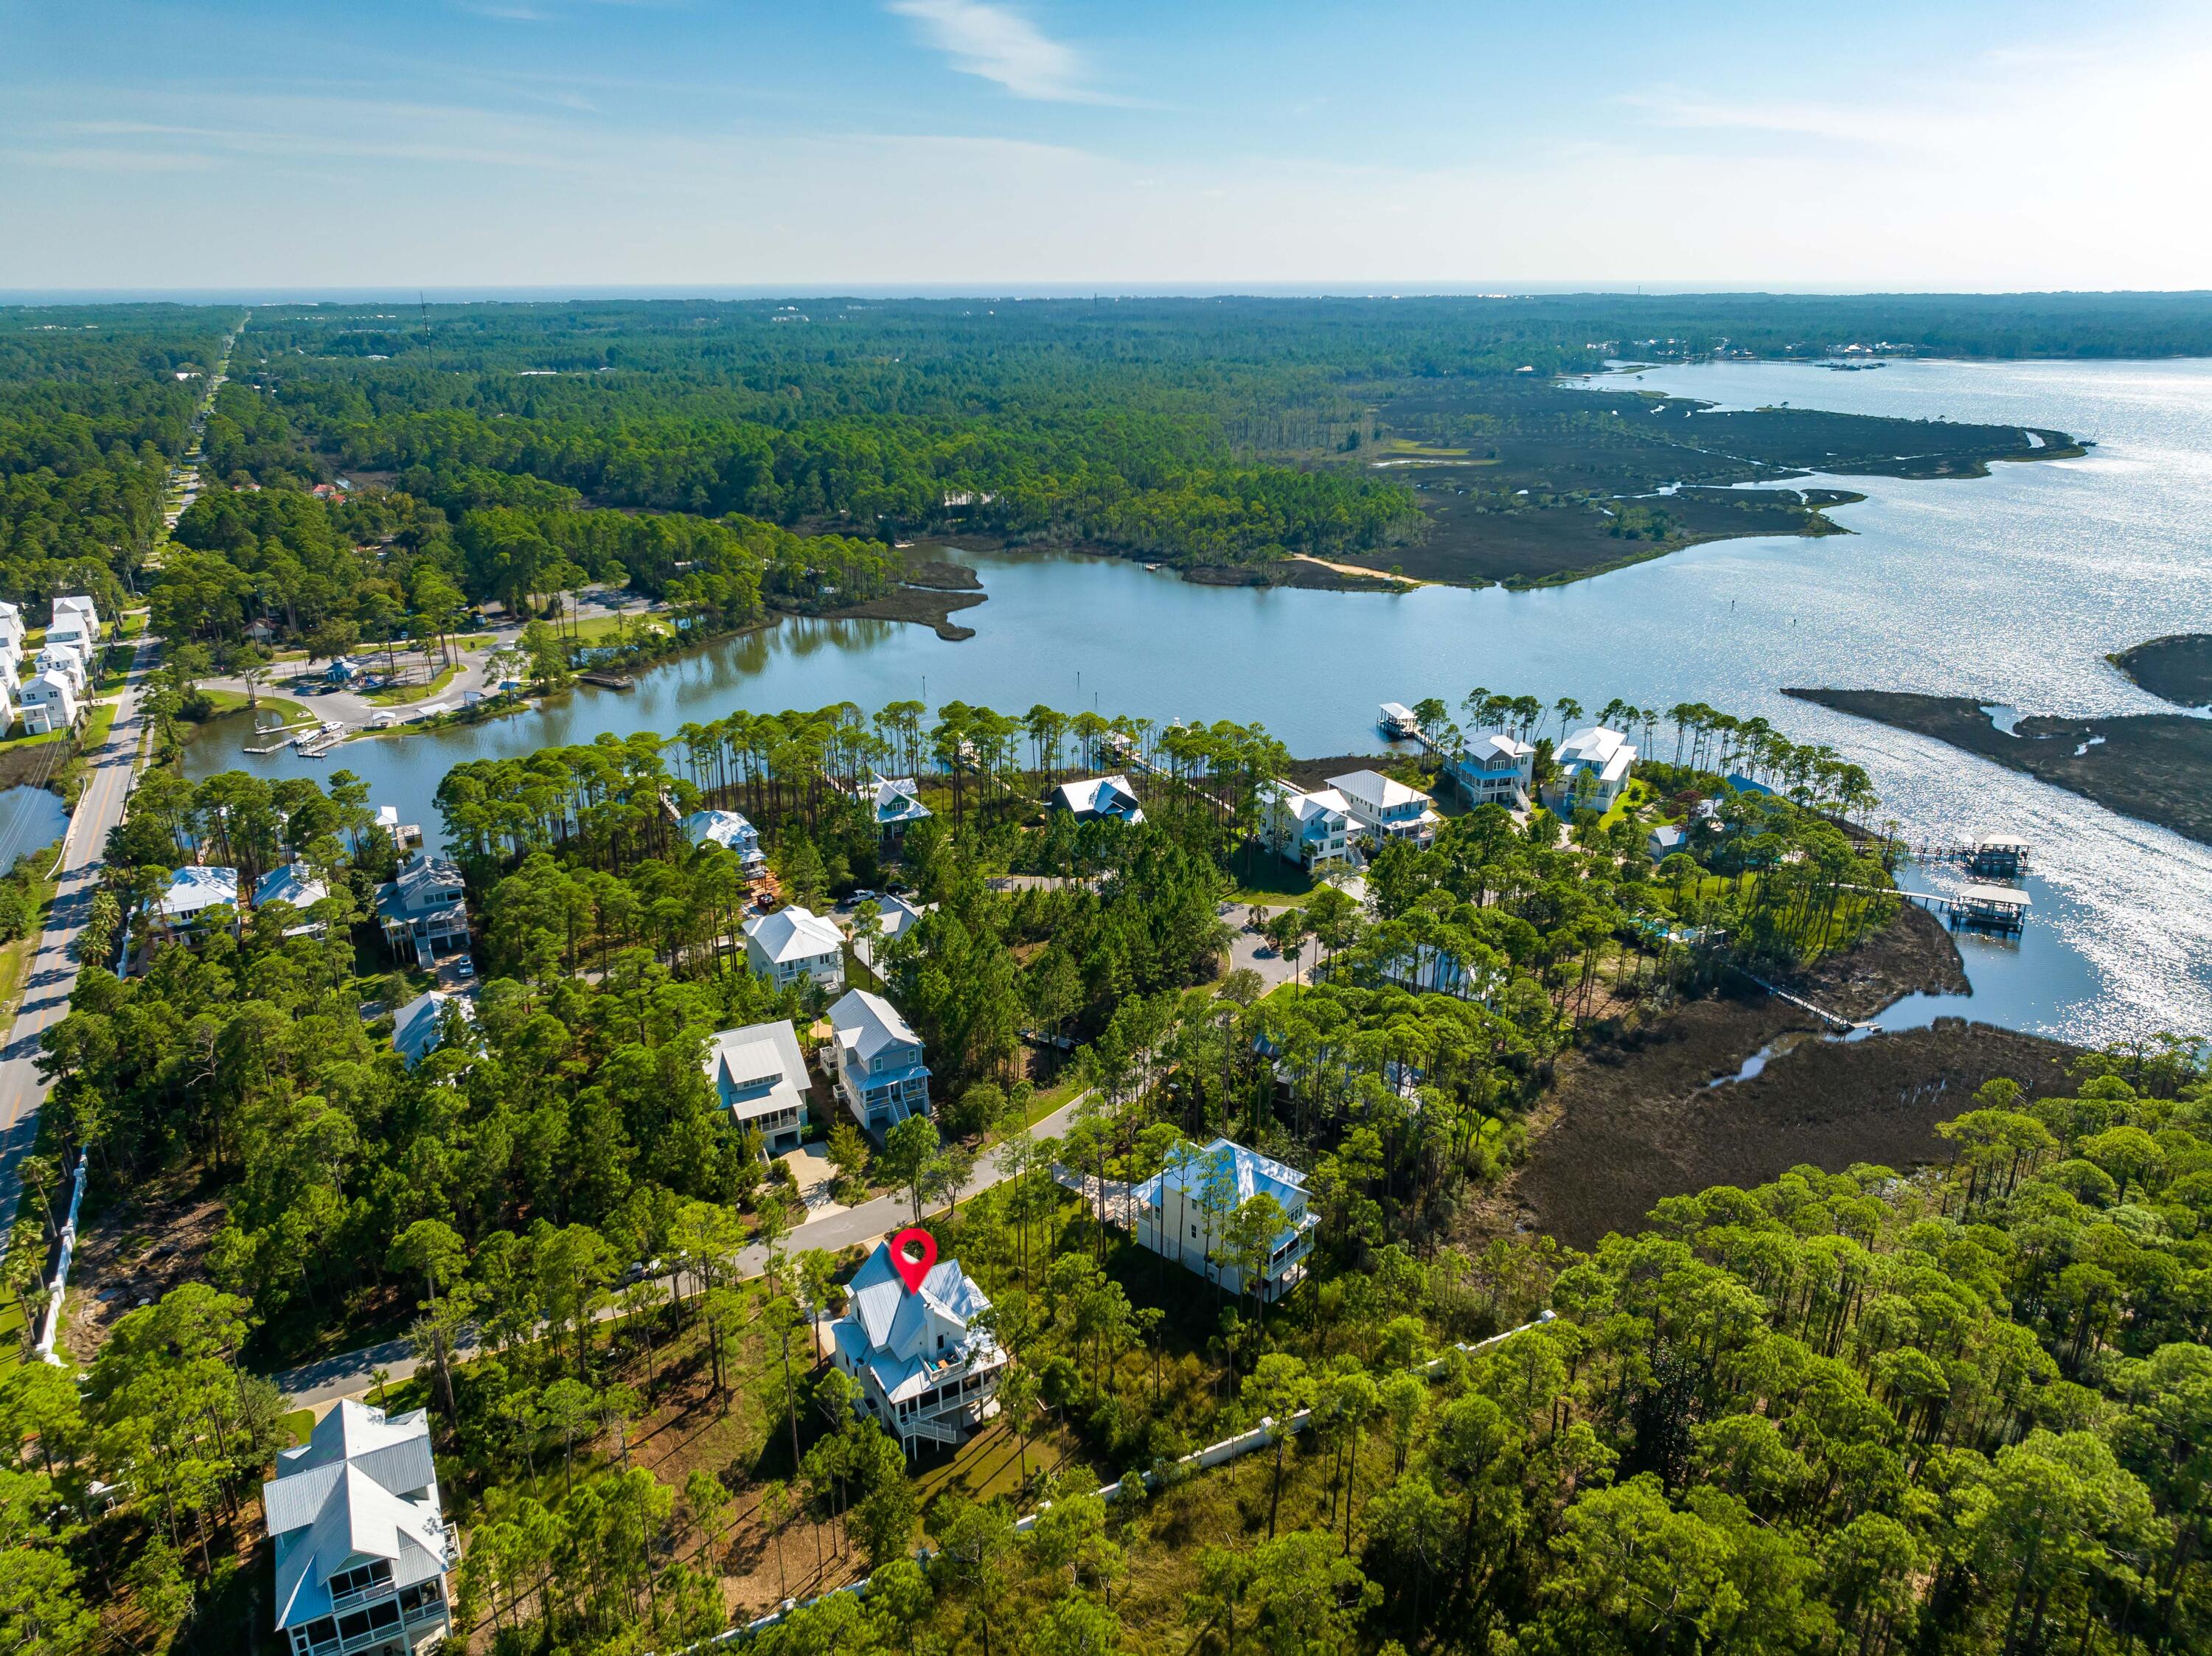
x=16, y=958
x=300, y=1423
x=398, y=695
x=11, y=1335
x=1047, y=1100
x=39, y=740
x=1636, y=793
x=134, y=624
x=234, y=701
x=594, y=628
x=1264, y=878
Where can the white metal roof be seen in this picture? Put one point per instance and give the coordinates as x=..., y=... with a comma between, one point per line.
x=793, y=934
x=363, y=1486
x=866, y=1023
x=760, y=1065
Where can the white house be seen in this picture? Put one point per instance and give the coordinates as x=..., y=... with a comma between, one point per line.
x=1594, y=768
x=50, y=703
x=1311, y=829
x=418, y=1028
x=926, y=1371
x=1496, y=769
x=893, y=801
x=194, y=893
x=79, y=609
x=1096, y=796
x=795, y=943
x=1183, y=1212
x=72, y=631
x=66, y=659
x=878, y=1061
x=1386, y=810
x=8, y=688
x=730, y=831
x=295, y=883
x=361, y=1543
x=760, y=1077
x=11, y=625
x=423, y=911
x=896, y=917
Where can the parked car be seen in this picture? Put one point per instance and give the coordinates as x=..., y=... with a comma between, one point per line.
x=464, y=968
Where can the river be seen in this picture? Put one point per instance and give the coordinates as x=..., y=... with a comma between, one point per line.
x=2010, y=588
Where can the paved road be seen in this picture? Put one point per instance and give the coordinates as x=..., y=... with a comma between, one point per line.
x=53, y=968
x=348, y=1376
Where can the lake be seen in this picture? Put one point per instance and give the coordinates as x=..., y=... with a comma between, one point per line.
x=2011, y=588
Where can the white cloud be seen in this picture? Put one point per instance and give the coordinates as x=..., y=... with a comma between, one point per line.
x=997, y=43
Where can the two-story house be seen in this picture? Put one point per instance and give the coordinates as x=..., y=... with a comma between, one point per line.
x=423, y=911
x=759, y=1075
x=729, y=830
x=50, y=703
x=895, y=801
x=926, y=1370
x=1385, y=810
x=795, y=945
x=76, y=615
x=195, y=897
x=361, y=1545
x=1184, y=1212
x=879, y=1062
x=12, y=631
x=1497, y=769
x=1311, y=829
x=67, y=658
x=1594, y=766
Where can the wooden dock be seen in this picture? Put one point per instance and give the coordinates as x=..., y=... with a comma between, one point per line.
x=1979, y=907
x=1992, y=856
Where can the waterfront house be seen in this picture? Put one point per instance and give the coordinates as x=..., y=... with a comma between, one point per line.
x=295, y=883
x=795, y=944
x=730, y=831
x=1311, y=829
x=1099, y=797
x=878, y=1061
x=926, y=1368
x=50, y=703
x=1594, y=765
x=1383, y=809
x=422, y=910
x=418, y=1028
x=1183, y=1212
x=759, y=1075
x=361, y=1539
x=1496, y=769
x=195, y=897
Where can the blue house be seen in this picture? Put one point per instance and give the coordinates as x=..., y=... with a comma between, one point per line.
x=1182, y=1213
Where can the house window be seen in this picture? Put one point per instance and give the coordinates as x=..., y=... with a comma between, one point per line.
x=376, y=1573
x=940, y=1341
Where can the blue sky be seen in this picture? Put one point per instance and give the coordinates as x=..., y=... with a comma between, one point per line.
x=919, y=144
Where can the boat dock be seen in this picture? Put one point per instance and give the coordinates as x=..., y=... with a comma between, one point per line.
x=1993, y=856
x=1396, y=720
x=608, y=681
x=1980, y=906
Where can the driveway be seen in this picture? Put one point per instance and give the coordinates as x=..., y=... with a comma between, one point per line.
x=314, y=1384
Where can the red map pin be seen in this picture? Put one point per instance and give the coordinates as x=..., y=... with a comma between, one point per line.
x=913, y=1251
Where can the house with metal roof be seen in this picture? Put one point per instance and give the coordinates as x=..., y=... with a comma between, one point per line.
x=1594, y=765
x=926, y=1371
x=896, y=917
x=361, y=1545
x=894, y=801
x=193, y=896
x=877, y=1061
x=1385, y=809
x=11, y=625
x=759, y=1075
x=1496, y=769
x=1099, y=797
x=795, y=945
x=422, y=910
x=418, y=1028
x=295, y=883
x=65, y=657
x=727, y=829
x=75, y=614
x=1183, y=1212
x=1311, y=829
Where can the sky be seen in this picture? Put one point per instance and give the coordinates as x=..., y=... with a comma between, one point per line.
x=274, y=146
